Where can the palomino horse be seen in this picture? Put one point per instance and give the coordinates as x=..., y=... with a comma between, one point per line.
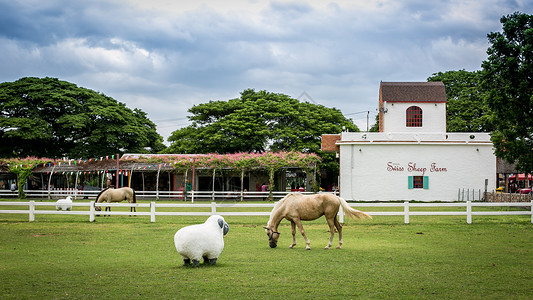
x=116, y=195
x=297, y=207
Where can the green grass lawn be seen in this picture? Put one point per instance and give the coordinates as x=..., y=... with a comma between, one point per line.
x=121, y=257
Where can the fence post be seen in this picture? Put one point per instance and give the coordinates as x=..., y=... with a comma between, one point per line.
x=91, y=211
x=76, y=187
x=406, y=212
x=469, y=212
x=213, y=208
x=157, y=183
x=213, y=191
x=32, y=211
x=531, y=211
x=341, y=214
x=152, y=212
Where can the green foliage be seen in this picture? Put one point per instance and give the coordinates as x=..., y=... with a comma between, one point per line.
x=466, y=108
x=257, y=122
x=46, y=117
x=239, y=161
x=22, y=167
x=508, y=77
x=375, y=127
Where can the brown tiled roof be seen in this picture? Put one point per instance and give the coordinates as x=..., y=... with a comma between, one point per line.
x=412, y=91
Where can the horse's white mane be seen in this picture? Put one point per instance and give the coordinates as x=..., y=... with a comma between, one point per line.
x=277, y=205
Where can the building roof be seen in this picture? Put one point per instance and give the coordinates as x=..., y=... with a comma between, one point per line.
x=412, y=91
x=329, y=143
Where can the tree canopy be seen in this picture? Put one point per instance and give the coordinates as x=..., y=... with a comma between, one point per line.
x=466, y=108
x=257, y=122
x=46, y=117
x=508, y=77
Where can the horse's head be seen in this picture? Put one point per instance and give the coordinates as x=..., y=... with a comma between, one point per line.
x=273, y=236
x=98, y=199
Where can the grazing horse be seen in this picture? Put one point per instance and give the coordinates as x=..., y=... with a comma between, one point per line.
x=116, y=195
x=297, y=207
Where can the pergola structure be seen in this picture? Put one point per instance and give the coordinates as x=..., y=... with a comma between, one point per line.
x=118, y=171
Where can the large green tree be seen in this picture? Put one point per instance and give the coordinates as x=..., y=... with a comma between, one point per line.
x=466, y=108
x=508, y=77
x=46, y=117
x=257, y=121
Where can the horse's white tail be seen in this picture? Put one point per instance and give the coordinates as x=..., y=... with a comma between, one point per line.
x=353, y=213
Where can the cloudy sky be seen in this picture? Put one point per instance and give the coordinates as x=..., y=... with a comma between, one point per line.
x=165, y=56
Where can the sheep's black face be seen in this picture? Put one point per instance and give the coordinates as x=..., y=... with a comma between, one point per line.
x=223, y=225
x=273, y=237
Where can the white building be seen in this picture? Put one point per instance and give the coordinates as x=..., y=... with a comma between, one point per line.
x=412, y=157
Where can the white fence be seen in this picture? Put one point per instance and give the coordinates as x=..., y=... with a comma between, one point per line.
x=157, y=209
x=149, y=195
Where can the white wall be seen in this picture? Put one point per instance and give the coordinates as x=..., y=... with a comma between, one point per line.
x=373, y=171
x=433, y=117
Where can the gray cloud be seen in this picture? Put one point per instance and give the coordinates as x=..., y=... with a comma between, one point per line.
x=164, y=58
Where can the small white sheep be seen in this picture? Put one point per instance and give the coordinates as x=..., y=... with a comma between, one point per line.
x=202, y=240
x=64, y=204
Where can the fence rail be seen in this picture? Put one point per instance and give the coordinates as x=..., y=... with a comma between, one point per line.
x=149, y=195
x=157, y=209
x=463, y=195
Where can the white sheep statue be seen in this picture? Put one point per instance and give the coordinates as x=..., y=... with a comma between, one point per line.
x=201, y=240
x=64, y=204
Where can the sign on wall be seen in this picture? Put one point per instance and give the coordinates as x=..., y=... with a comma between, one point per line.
x=413, y=167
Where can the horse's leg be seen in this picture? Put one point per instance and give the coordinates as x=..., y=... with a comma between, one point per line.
x=307, y=242
x=332, y=225
x=339, y=229
x=108, y=208
x=130, y=200
x=293, y=227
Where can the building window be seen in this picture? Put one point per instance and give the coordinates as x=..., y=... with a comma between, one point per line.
x=418, y=182
x=413, y=117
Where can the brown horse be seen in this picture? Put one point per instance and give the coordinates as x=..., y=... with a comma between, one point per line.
x=116, y=195
x=297, y=207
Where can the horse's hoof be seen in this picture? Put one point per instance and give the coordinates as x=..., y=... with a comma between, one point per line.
x=292, y=246
x=338, y=247
x=327, y=248
x=307, y=248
